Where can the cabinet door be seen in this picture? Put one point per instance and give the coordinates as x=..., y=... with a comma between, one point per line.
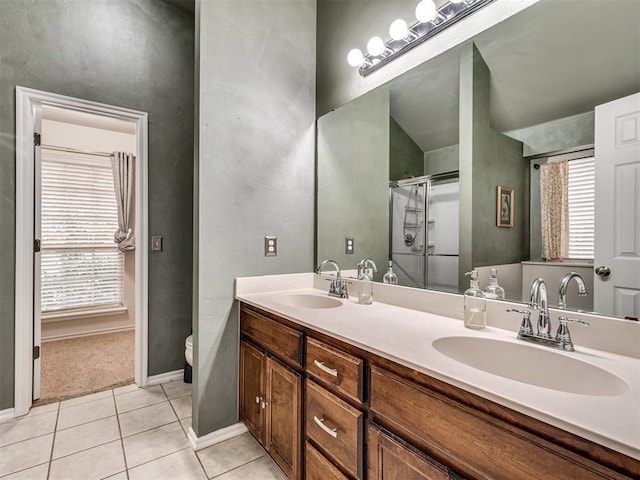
x=252, y=395
x=283, y=426
x=392, y=459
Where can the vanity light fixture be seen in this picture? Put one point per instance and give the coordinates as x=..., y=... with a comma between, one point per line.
x=430, y=21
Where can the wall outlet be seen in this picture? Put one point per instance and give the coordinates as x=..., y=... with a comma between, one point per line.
x=349, y=245
x=156, y=244
x=270, y=246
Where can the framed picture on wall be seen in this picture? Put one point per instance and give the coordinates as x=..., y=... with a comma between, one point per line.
x=504, y=207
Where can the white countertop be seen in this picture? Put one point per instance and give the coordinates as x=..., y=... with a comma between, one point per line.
x=405, y=336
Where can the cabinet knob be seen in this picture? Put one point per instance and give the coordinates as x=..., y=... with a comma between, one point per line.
x=258, y=399
x=264, y=404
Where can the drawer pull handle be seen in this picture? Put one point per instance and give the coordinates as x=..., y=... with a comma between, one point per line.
x=331, y=431
x=324, y=368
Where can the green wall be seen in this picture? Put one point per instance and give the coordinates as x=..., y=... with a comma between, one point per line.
x=442, y=160
x=353, y=181
x=131, y=53
x=405, y=156
x=487, y=159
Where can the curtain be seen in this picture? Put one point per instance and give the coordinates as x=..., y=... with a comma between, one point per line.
x=123, y=169
x=554, y=209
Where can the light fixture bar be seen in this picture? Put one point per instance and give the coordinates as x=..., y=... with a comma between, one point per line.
x=449, y=14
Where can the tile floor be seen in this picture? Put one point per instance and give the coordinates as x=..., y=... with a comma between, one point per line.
x=125, y=433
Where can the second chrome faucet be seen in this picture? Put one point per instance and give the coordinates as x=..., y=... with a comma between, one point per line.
x=338, y=286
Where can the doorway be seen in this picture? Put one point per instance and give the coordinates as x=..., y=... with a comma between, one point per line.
x=32, y=109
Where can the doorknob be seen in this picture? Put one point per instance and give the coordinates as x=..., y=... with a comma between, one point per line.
x=603, y=271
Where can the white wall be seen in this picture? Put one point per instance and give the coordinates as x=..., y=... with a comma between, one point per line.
x=83, y=137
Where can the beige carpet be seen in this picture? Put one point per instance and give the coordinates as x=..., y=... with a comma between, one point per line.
x=79, y=366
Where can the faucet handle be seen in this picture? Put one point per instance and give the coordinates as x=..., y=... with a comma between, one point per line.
x=563, y=335
x=525, y=325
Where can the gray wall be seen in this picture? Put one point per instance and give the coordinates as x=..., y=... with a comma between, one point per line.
x=132, y=53
x=487, y=159
x=353, y=181
x=405, y=156
x=442, y=160
x=255, y=174
x=561, y=134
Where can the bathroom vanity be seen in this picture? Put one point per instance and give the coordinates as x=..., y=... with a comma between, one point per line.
x=337, y=390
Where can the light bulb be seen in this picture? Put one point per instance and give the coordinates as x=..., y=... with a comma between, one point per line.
x=355, y=57
x=398, y=29
x=426, y=11
x=375, y=46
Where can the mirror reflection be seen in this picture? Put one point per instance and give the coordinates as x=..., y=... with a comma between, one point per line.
x=484, y=158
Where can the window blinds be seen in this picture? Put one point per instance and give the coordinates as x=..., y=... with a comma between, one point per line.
x=81, y=266
x=581, y=190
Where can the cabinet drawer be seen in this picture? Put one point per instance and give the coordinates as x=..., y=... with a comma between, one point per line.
x=335, y=427
x=319, y=468
x=466, y=438
x=282, y=341
x=339, y=370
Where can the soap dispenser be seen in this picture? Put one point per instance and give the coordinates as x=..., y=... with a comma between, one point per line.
x=494, y=290
x=475, y=307
x=390, y=277
x=365, y=282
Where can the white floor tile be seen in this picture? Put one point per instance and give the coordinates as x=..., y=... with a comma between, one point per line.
x=186, y=424
x=142, y=397
x=230, y=454
x=34, y=473
x=48, y=408
x=176, y=389
x=27, y=427
x=182, y=465
x=146, y=418
x=92, y=397
x=182, y=406
x=96, y=463
x=85, y=436
x=18, y=456
x=85, y=413
x=117, y=476
x=126, y=389
x=152, y=444
x=261, y=469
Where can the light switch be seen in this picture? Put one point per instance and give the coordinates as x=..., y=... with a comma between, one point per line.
x=270, y=246
x=156, y=244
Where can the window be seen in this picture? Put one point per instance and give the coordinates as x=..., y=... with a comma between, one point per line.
x=581, y=198
x=81, y=266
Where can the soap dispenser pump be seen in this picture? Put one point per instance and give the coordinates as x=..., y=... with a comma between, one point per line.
x=475, y=307
x=390, y=277
x=494, y=290
x=365, y=282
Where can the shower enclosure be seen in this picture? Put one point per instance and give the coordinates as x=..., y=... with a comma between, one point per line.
x=423, y=233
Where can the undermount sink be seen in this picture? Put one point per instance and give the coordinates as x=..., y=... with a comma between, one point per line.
x=303, y=300
x=532, y=365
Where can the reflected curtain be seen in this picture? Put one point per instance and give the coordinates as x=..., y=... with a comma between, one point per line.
x=123, y=170
x=554, y=209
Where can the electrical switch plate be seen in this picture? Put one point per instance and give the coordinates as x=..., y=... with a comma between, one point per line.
x=156, y=244
x=349, y=245
x=270, y=246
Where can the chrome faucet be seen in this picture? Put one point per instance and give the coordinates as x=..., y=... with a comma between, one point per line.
x=362, y=266
x=564, y=284
x=338, y=286
x=538, y=301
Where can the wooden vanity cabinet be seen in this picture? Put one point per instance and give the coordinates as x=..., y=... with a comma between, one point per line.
x=270, y=393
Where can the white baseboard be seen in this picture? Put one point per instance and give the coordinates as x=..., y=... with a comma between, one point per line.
x=88, y=333
x=198, y=443
x=7, y=414
x=165, y=377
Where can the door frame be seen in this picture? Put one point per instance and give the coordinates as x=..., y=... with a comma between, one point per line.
x=27, y=100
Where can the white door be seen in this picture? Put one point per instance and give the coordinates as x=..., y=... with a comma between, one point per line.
x=37, y=213
x=617, y=214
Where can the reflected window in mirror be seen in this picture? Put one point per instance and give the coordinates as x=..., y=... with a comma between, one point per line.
x=567, y=192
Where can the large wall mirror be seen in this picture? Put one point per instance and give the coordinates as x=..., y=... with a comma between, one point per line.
x=456, y=164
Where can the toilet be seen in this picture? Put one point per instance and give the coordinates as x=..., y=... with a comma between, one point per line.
x=188, y=355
